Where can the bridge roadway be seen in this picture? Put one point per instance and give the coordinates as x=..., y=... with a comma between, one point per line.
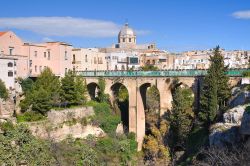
x=137, y=82
x=157, y=73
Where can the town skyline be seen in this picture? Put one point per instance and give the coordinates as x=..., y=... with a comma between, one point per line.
x=177, y=28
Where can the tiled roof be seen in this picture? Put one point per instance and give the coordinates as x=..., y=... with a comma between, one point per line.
x=2, y=33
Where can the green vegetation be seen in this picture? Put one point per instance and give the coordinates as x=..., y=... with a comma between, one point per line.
x=246, y=74
x=102, y=97
x=26, y=84
x=153, y=99
x=247, y=109
x=105, y=117
x=182, y=116
x=48, y=92
x=73, y=89
x=30, y=116
x=44, y=92
x=18, y=146
x=123, y=94
x=3, y=90
x=215, y=91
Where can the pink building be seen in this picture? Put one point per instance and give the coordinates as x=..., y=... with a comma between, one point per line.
x=33, y=58
x=55, y=55
x=12, y=46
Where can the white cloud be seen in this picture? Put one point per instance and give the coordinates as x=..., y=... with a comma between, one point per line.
x=242, y=14
x=65, y=26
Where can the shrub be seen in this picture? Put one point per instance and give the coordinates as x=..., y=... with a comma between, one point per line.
x=30, y=116
x=107, y=120
x=3, y=90
x=247, y=109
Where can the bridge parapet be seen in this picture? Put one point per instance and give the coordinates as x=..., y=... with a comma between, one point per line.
x=158, y=73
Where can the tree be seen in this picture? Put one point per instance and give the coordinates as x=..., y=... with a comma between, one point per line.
x=81, y=90
x=26, y=84
x=41, y=101
x=73, y=89
x=49, y=86
x=102, y=97
x=68, y=88
x=182, y=115
x=3, y=90
x=153, y=99
x=216, y=90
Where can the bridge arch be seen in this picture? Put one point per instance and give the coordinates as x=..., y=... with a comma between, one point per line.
x=92, y=88
x=120, y=96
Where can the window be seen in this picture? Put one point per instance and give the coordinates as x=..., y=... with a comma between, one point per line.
x=94, y=60
x=86, y=58
x=65, y=56
x=35, y=53
x=30, y=63
x=45, y=55
x=15, y=72
x=66, y=70
x=74, y=59
x=10, y=73
x=10, y=64
x=35, y=68
x=130, y=40
x=11, y=50
x=123, y=40
x=48, y=55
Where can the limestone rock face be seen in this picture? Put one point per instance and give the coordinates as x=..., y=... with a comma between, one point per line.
x=245, y=124
x=58, y=128
x=59, y=133
x=61, y=116
x=234, y=115
x=119, y=129
x=6, y=108
x=222, y=134
x=240, y=98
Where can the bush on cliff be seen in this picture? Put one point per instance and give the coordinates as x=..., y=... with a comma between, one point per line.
x=3, y=90
x=105, y=117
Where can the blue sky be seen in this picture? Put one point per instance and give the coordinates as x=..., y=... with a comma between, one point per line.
x=174, y=25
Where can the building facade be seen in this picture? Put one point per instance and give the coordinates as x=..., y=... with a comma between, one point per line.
x=88, y=59
x=8, y=71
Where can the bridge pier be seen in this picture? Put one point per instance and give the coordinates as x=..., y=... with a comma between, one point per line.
x=136, y=88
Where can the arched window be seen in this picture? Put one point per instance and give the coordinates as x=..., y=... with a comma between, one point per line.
x=10, y=64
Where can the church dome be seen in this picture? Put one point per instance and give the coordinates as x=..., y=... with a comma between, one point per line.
x=127, y=31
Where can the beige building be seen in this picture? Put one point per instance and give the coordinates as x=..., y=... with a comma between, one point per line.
x=88, y=59
x=160, y=59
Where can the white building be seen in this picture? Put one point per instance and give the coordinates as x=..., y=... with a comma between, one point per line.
x=8, y=71
x=122, y=61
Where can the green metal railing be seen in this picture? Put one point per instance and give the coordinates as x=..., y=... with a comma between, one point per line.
x=158, y=73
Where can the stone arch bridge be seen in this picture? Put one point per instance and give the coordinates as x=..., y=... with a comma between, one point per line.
x=137, y=83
